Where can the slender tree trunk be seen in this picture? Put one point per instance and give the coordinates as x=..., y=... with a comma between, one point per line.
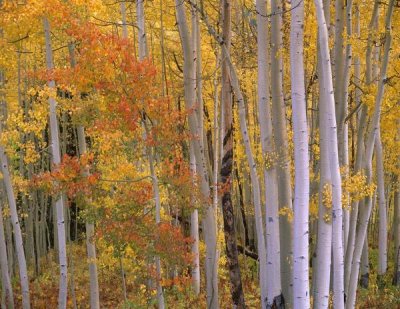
x=273, y=286
x=281, y=143
x=396, y=230
x=5, y=276
x=364, y=267
x=364, y=217
x=19, y=247
x=330, y=121
x=90, y=244
x=194, y=232
x=226, y=171
x=301, y=289
x=322, y=270
x=56, y=159
x=209, y=223
x=383, y=222
x=343, y=134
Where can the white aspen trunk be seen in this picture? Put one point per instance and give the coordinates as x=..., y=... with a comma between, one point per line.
x=273, y=275
x=209, y=222
x=56, y=159
x=383, y=222
x=364, y=267
x=143, y=51
x=281, y=143
x=269, y=300
x=6, y=287
x=364, y=217
x=396, y=231
x=246, y=140
x=194, y=232
x=194, y=217
x=360, y=151
x=301, y=289
x=344, y=147
x=156, y=193
x=337, y=214
x=19, y=246
x=5, y=276
x=90, y=244
x=322, y=270
x=123, y=16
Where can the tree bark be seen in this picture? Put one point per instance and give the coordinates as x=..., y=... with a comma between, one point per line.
x=301, y=289
x=281, y=143
x=330, y=121
x=383, y=222
x=364, y=217
x=56, y=159
x=226, y=171
x=209, y=223
x=5, y=276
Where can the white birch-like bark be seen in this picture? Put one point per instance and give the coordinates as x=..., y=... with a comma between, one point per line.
x=56, y=159
x=301, y=289
x=194, y=232
x=248, y=150
x=5, y=276
x=273, y=275
x=143, y=51
x=361, y=128
x=123, y=16
x=383, y=222
x=281, y=143
x=90, y=244
x=364, y=266
x=343, y=132
x=364, y=216
x=194, y=216
x=19, y=246
x=209, y=222
x=337, y=213
x=322, y=271
x=396, y=231
x=6, y=287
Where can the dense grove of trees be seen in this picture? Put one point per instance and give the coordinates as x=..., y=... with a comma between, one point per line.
x=199, y=154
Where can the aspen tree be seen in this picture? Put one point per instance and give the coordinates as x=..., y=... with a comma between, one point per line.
x=360, y=150
x=364, y=216
x=90, y=245
x=7, y=290
x=56, y=159
x=301, y=290
x=267, y=146
x=282, y=149
x=383, y=222
x=330, y=121
x=209, y=223
x=19, y=246
x=226, y=169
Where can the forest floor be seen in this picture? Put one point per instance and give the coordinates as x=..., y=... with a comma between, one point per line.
x=44, y=288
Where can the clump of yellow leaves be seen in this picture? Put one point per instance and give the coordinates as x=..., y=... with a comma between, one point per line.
x=355, y=188
x=327, y=200
x=286, y=211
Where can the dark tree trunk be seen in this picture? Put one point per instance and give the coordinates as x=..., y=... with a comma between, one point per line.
x=226, y=173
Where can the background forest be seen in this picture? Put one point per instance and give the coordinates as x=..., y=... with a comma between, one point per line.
x=199, y=154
